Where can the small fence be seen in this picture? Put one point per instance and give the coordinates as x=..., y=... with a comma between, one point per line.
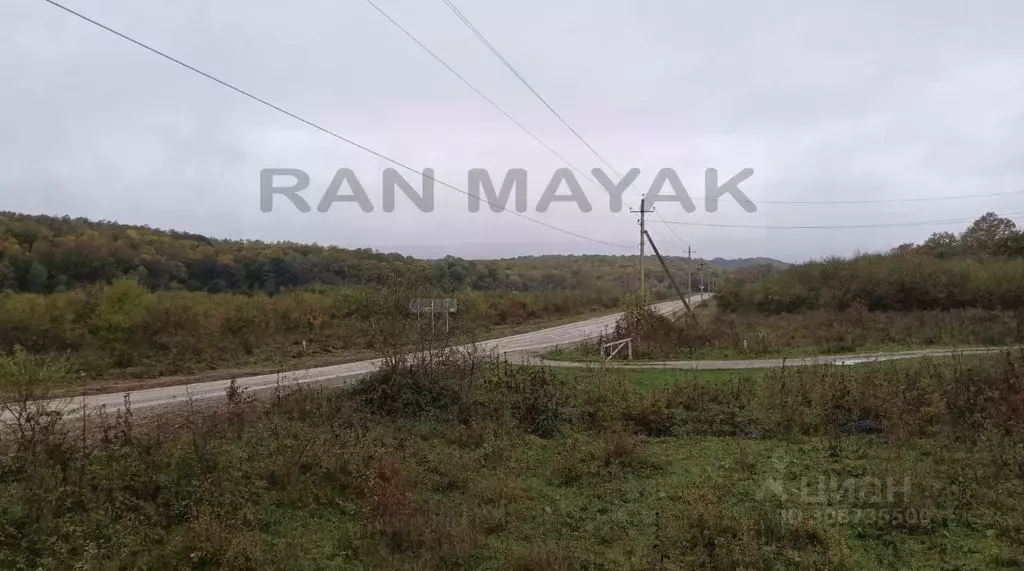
x=609, y=350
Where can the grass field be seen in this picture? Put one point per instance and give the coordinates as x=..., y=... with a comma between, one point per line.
x=723, y=336
x=126, y=331
x=163, y=371
x=460, y=464
x=588, y=353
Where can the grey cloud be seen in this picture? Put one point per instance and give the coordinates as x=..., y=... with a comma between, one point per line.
x=823, y=100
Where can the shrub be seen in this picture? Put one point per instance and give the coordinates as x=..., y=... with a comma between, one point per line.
x=882, y=282
x=124, y=328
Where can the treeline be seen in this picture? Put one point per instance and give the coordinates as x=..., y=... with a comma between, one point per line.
x=983, y=267
x=988, y=236
x=113, y=328
x=44, y=254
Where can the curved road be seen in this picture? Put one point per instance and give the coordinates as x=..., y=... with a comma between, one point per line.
x=522, y=348
x=336, y=375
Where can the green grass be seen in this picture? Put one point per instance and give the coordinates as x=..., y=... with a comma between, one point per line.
x=150, y=370
x=753, y=336
x=519, y=511
x=587, y=354
x=461, y=465
x=651, y=380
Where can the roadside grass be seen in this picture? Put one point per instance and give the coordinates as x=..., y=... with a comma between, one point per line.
x=725, y=336
x=124, y=331
x=454, y=463
x=157, y=371
x=588, y=353
x=650, y=380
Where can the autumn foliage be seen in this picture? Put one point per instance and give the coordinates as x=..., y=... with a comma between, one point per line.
x=125, y=325
x=981, y=268
x=45, y=254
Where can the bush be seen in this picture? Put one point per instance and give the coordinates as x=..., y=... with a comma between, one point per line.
x=880, y=282
x=320, y=478
x=125, y=328
x=815, y=332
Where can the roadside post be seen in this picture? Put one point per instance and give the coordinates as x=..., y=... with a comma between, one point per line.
x=446, y=306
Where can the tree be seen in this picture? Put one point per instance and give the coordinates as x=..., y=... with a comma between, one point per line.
x=79, y=252
x=942, y=245
x=987, y=234
x=1013, y=246
x=905, y=249
x=35, y=278
x=8, y=278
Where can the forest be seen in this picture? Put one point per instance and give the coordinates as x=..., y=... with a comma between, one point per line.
x=45, y=254
x=141, y=302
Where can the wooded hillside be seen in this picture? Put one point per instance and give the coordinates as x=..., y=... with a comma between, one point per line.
x=44, y=254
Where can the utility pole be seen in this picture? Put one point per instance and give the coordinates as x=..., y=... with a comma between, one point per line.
x=689, y=270
x=702, y=279
x=643, y=231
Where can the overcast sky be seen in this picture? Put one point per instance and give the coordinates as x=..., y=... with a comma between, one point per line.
x=824, y=100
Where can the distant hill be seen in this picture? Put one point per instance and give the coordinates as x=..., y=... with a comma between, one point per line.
x=716, y=263
x=45, y=254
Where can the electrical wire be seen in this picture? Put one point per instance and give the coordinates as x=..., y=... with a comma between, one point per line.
x=458, y=14
x=838, y=226
x=882, y=200
x=317, y=126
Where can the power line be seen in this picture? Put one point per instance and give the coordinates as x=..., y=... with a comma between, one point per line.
x=462, y=78
x=502, y=59
x=507, y=115
x=884, y=200
x=671, y=230
x=476, y=90
x=659, y=234
x=458, y=14
x=841, y=226
x=316, y=126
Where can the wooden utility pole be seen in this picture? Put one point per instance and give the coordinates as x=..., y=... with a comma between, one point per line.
x=643, y=231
